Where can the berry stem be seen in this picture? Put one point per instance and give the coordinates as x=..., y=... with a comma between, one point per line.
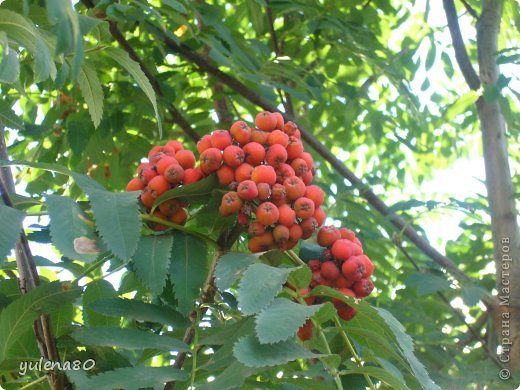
x=98, y=263
x=181, y=228
x=333, y=371
x=295, y=258
x=352, y=350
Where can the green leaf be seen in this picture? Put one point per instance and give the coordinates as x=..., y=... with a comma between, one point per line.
x=9, y=65
x=152, y=260
x=96, y=290
x=251, y=353
x=230, y=267
x=309, y=251
x=472, y=294
x=117, y=219
x=406, y=344
x=68, y=223
x=195, y=192
x=8, y=118
x=129, y=378
x=19, y=316
x=10, y=229
x=139, y=311
x=135, y=71
x=379, y=373
x=22, y=30
x=259, y=286
x=232, y=377
x=127, y=339
x=427, y=283
x=92, y=92
x=176, y=5
x=188, y=269
x=282, y=319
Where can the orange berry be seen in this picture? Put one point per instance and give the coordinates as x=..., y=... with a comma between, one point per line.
x=369, y=266
x=157, y=226
x=290, y=128
x=255, y=153
x=300, y=166
x=287, y=215
x=135, y=185
x=295, y=233
x=210, y=160
x=220, y=139
x=174, y=173
x=363, y=287
x=307, y=178
x=281, y=235
x=158, y=186
x=146, y=172
x=297, y=134
x=279, y=120
x=266, y=121
x=283, y=172
x=264, y=191
x=342, y=249
x=247, y=190
x=267, y=213
x=329, y=270
x=294, y=149
x=256, y=229
x=204, y=143
x=278, y=137
x=186, y=158
x=328, y=235
x=225, y=175
x=316, y=194
x=158, y=152
x=342, y=282
x=231, y=202
x=233, y=156
x=191, y=176
x=308, y=159
x=241, y=132
x=276, y=155
x=295, y=187
x=278, y=192
x=264, y=174
x=146, y=198
x=305, y=331
x=243, y=172
x=259, y=136
x=175, y=145
x=347, y=234
x=308, y=225
x=170, y=207
x=180, y=217
x=164, y=163
x=320, y=216
x=304, y=208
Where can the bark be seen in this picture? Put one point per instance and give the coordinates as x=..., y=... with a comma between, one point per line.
x=500, y=190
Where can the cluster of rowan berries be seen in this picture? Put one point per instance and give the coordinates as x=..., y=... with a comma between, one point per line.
x=168, y=167
x=270, y=177
x=344, y=267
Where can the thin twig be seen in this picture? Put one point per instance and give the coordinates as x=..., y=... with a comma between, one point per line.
x=470, y=9
x=461, y=54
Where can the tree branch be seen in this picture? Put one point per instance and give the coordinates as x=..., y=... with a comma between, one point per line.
x=470, y=9
x=461, y=54
x=28, y=277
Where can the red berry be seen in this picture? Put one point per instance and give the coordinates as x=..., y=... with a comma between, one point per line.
x=329, y=270
x=247, y=190
x=363, y=287
x=327, y=235
x=266, y=121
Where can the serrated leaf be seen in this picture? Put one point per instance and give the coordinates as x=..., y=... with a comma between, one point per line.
x=135, y=71
x=379, y=373
x=92, y=92
x=259, y=286
x=230, y=267
x=282, y=319
x=427, y=283
x=152, y=261
x=406, y=344
x=19, y=316
x=129, y=378
x=231, y=378
x=127, y=339
x=117, y=220
x=10, y=229
x=68, y=223
x=193, y=193
x=251, y=353
x=188, y=269
x=8, y=118
x=139, y=311
x=96, y=290
x=22, y=30
x=61, y=319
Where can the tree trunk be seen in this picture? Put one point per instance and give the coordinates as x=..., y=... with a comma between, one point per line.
x=506, y=240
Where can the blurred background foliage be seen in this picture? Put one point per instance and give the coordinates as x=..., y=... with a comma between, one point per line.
x=374, y=81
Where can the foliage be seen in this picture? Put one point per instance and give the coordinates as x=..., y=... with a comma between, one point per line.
x=80, y=112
